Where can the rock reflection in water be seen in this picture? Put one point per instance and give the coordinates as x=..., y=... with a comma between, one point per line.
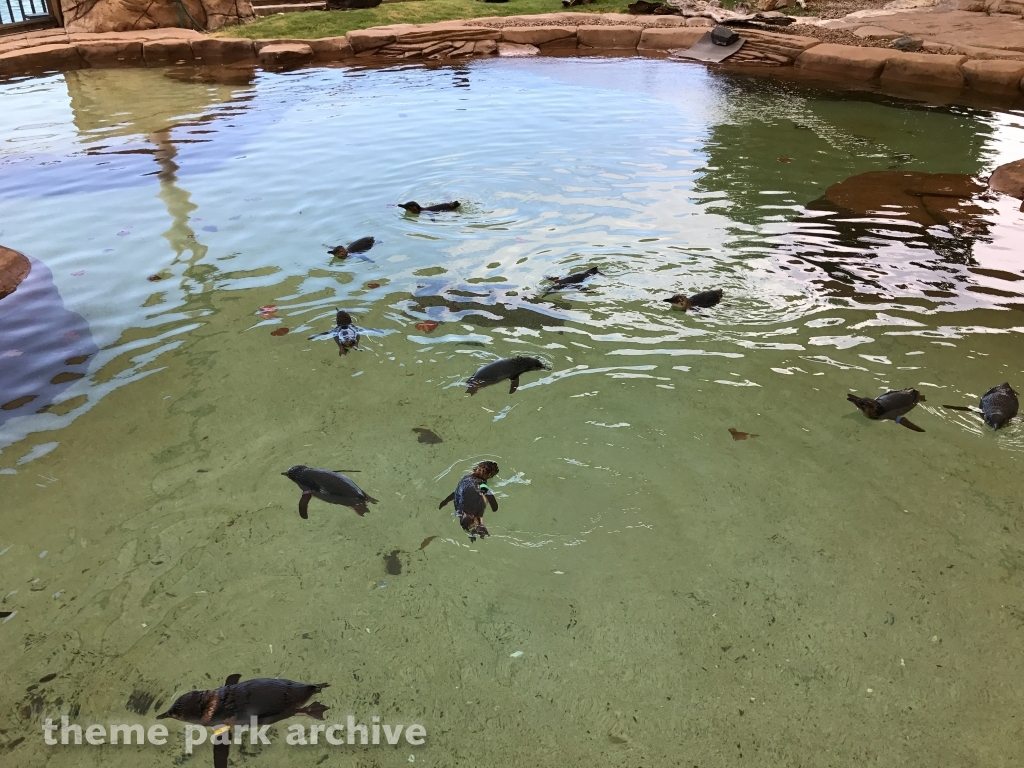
x=44, y=347
x=897, y=233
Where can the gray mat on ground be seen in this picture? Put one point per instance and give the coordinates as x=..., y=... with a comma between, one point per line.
x=705, y=50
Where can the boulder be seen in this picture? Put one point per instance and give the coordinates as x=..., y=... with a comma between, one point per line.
x=223, y=50
x=542, y=37
x=845, y=61
x=111, y=54
x=994, y=76
x=363, y=40
x=485, y=47
x=14, y=267
x=127, y=15
x=285, y=55
x=331, y=49
x=932, y=70
x=44, y=58
x=664, y=39
x=1008, y=179
x=609, y=37
x=517, y=49
x=160, y=53
x=907, y=43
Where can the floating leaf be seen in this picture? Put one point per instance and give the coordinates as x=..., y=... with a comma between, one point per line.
x=267, y=311
x=79, y=273
x=373, y=285
x=737, y=435
x=426, y=326
x=427, y=541
x=784, y=160
x=279, y=332
x=154, y=278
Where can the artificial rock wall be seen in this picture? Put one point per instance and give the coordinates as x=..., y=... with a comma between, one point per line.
x=129, y=15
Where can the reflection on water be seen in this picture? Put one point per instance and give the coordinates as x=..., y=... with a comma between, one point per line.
x=702, y=553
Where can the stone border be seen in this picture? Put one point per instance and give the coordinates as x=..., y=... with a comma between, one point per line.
x=565, y=33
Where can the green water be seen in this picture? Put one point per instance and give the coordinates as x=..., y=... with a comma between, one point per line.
x=832, y=592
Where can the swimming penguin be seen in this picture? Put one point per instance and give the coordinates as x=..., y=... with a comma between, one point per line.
x=235, y=703
x=891, y=405
x=415, y=208
x=361, y=245
x=998, y=406
x=510, y=368
x=702, y=300
x=332, y=487
x=344, y=333
x=472, y=497
x=570, y=280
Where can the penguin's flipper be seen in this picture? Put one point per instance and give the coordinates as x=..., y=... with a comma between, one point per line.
x=304, y=505
x=315, y=710
x=908, y=424
x=514, y=381
x=232, y=679
x=447, y=499
x=220, y=755
x=492, y=501
x=959, y=408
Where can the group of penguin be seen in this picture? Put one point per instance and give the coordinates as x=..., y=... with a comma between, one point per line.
x=271, y=700
x=472, y=497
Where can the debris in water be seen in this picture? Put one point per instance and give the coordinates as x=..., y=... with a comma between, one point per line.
x=426, y=326
x=373, y=285
x=268, y=311
x=154, y=278
x=784, y=160
x=426, y=541
x=737, y=435
x=515, y=654
x=279, y=332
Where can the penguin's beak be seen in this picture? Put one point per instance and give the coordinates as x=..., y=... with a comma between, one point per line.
x=285, y=474
x=164, y=716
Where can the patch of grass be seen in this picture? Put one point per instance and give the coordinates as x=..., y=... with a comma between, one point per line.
x=308, y=25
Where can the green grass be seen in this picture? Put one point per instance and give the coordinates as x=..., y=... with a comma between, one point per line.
x=312, y=24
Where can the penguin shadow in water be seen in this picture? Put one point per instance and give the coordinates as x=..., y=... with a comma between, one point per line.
x=236, y=703
x=998, y=406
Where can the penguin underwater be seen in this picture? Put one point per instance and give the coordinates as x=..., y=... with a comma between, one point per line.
x=890, y=405
x=576, y=278
x=510, y=368
x=332, y=487
x=344, y=333
x=702, y=300
x=472, y=497
x=998, y=406
x=236, y=703
x=416, y=209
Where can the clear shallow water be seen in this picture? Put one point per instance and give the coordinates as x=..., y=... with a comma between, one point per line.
x=833, y=591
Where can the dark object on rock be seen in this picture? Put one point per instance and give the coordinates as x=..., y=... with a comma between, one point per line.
x=644, y=8
x=344, y=333
x=908, y=43
x=472, y=497
x=998, y=406
x=737, y=435
x=571, y=280
x=510, y=368
x=702, y=300
x=332, y=487
x=235, y=703
x=415, y=208
x=427, y=437
x=351, y=5
x=774, y=19
x=361, y=245
x=891, y=405
x=721, y=35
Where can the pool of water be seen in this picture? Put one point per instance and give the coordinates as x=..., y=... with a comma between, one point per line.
x=827, y=591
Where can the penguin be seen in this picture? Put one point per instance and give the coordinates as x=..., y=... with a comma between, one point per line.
x=891, y=405
x=236, y=703
x=702, y=300
x=344, y=333
x=510, y=368
x=416, y=209
x=361, y=245
x=332, y=487
x=570, y=280
x=472, y=497
x=998, y=406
